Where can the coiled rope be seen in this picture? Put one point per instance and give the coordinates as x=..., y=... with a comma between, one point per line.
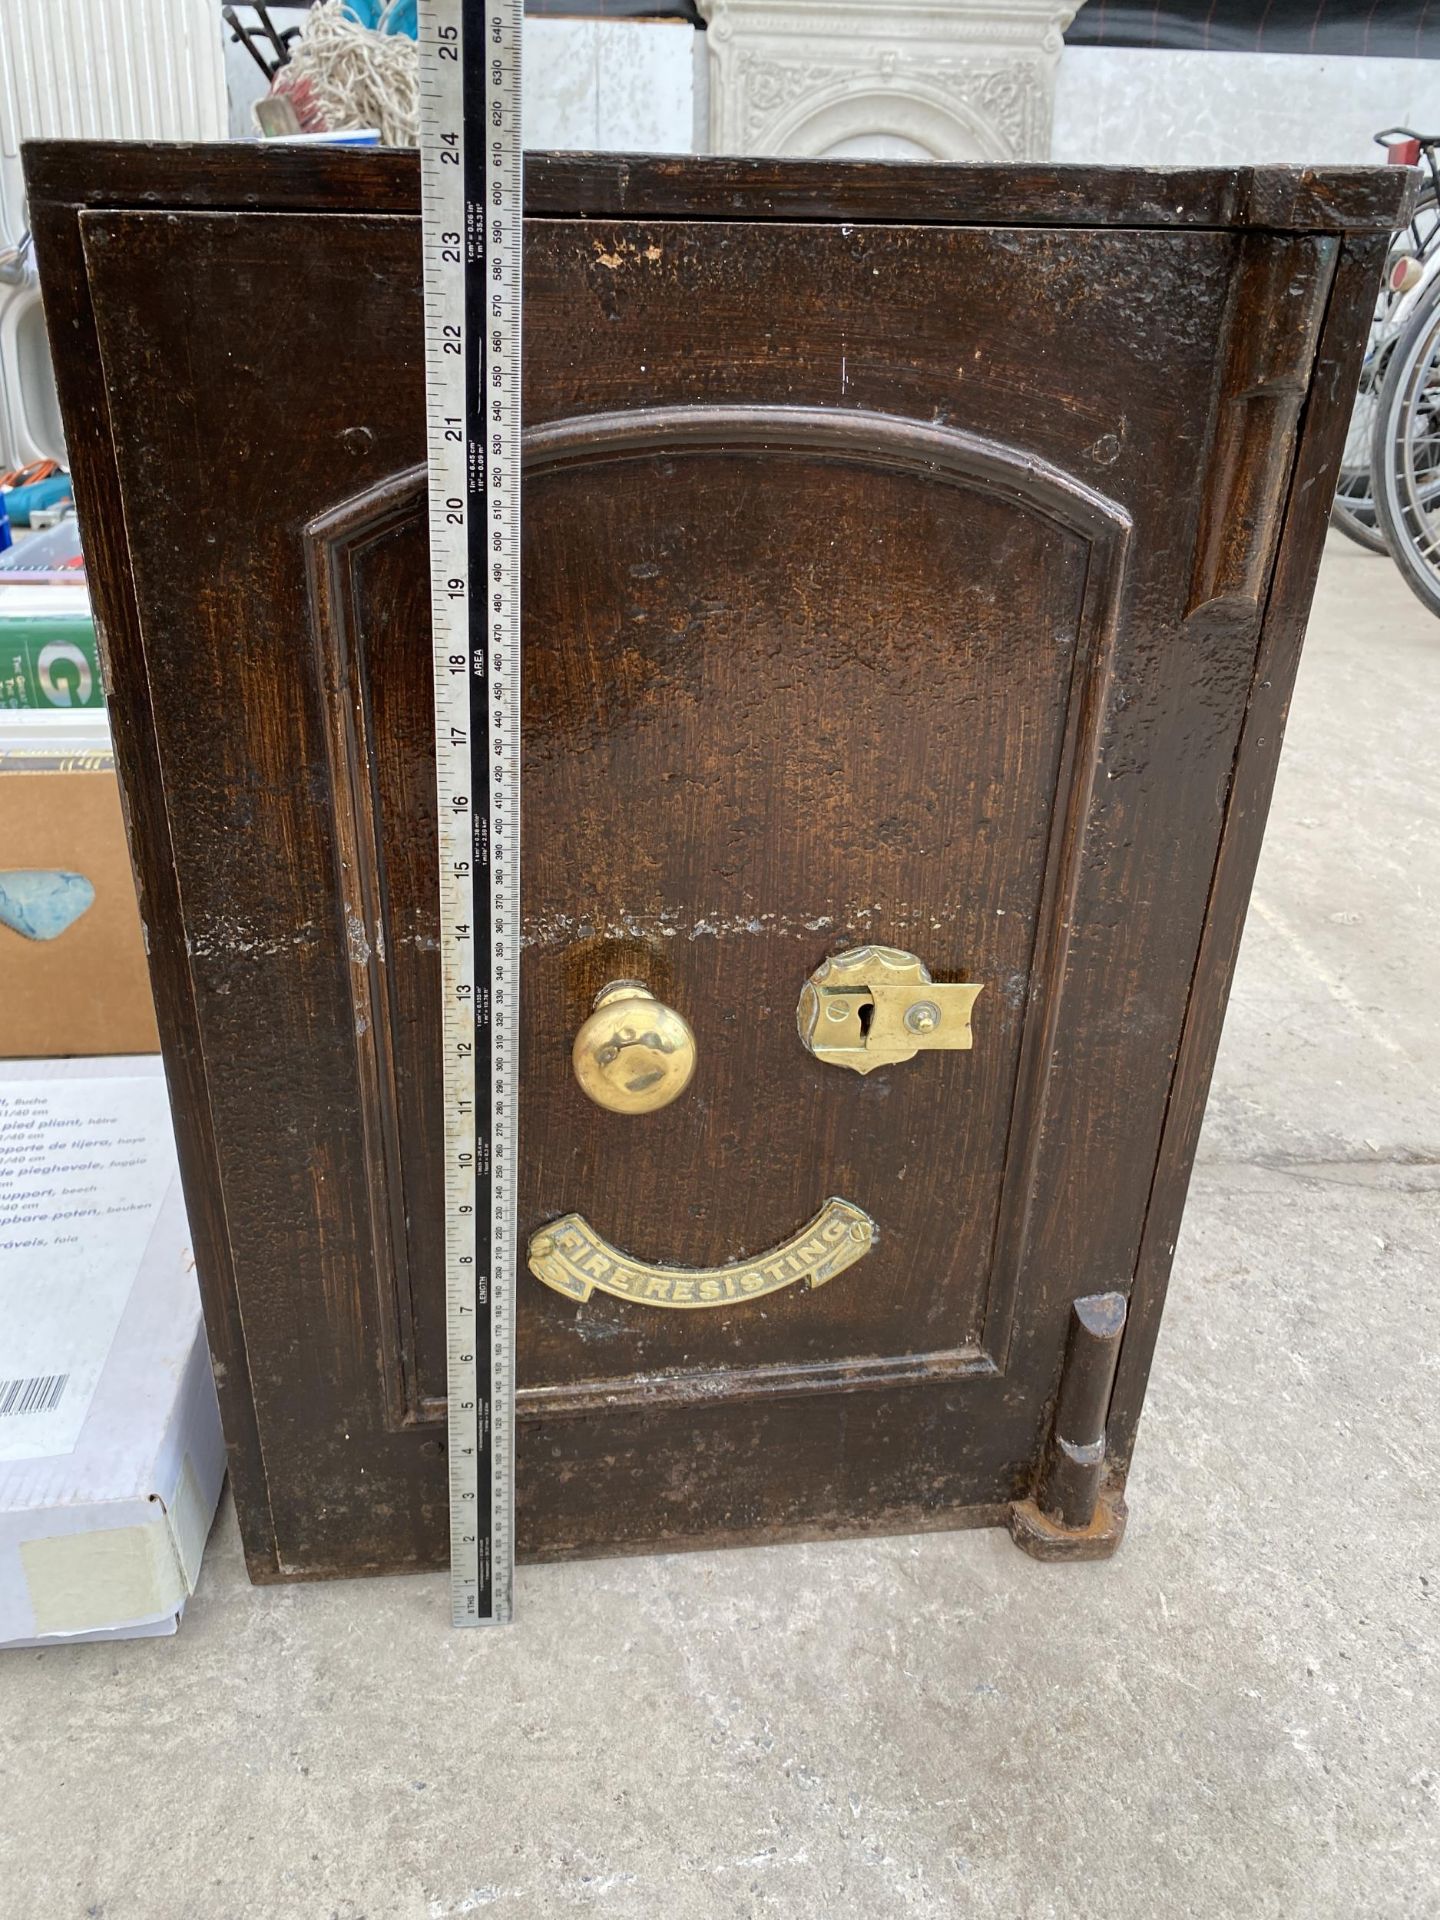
x=345, y=76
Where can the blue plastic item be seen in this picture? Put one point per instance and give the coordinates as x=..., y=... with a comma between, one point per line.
x=7, y=539
x=385, y=16
x=20, y=502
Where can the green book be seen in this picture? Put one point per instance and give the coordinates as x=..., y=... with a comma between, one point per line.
x=48, y=656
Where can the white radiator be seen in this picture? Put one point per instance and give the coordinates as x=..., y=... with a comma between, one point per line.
x=89, y=69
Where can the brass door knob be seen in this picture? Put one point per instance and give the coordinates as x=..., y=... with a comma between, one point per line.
x=634, y=1053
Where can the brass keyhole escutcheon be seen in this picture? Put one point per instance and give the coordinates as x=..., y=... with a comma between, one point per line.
x=634, y=1054
x=875, y=1007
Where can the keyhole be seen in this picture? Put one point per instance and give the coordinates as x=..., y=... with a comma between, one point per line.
x=866, y=1015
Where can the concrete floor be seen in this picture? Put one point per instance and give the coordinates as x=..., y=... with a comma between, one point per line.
x=1237, y=1717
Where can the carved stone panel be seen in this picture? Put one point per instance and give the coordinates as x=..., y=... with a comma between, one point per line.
x=972, y=80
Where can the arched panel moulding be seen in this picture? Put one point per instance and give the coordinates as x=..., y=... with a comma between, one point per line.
x=889, y=79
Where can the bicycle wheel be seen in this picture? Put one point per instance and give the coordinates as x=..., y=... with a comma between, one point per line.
x=1405, y=459
x=1354, y=506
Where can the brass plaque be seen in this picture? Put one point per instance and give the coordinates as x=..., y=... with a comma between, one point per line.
x=570, y=1256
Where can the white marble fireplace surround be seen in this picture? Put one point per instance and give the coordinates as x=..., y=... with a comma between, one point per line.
x=889, y=79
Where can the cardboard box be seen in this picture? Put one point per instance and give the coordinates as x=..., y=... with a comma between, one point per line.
x=111, y=1456
x=84, y=989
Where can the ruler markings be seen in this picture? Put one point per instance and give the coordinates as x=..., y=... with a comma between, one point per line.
x=471, y=153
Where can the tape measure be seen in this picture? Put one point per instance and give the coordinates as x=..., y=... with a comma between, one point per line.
x=471, y=165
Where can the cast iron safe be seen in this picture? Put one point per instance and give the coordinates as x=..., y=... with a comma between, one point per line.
x=917, y=562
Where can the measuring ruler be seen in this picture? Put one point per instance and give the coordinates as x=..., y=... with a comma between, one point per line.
x=471, y=164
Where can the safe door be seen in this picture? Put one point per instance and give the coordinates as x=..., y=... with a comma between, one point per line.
x=890, y=622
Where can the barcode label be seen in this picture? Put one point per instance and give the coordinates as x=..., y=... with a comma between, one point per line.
x=42, y=1393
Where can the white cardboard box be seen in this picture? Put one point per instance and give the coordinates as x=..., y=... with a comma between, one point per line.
x=111, y=1456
